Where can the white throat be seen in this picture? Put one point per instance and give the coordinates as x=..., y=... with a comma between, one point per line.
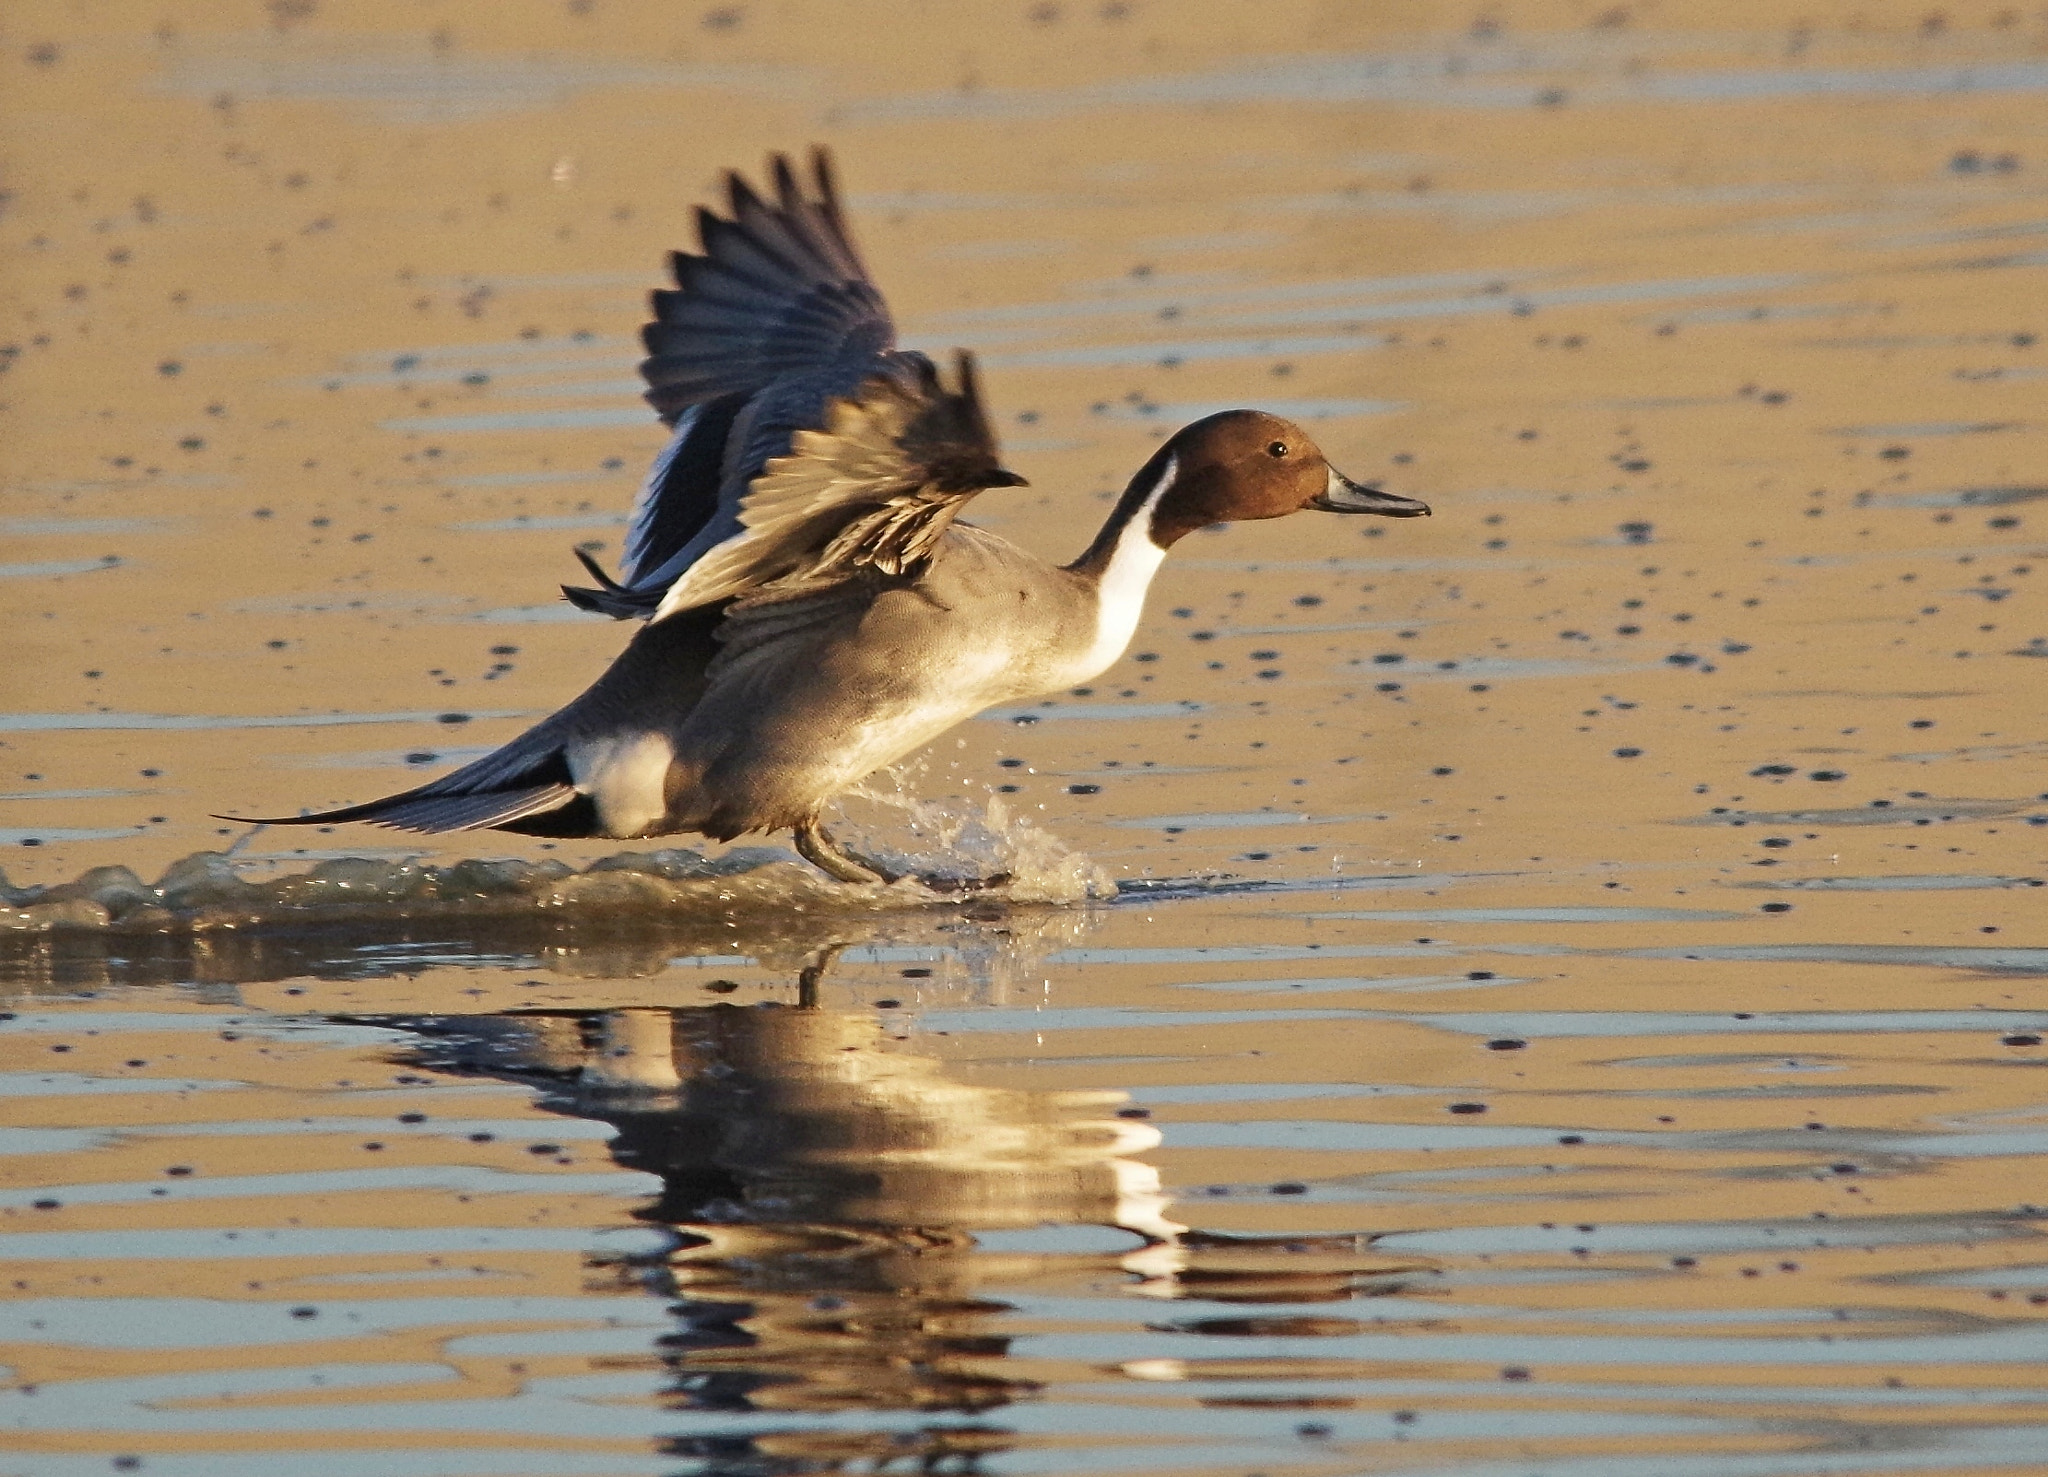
x=1120, y=593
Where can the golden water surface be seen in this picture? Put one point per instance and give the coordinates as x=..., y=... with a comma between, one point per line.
x=1575, y=994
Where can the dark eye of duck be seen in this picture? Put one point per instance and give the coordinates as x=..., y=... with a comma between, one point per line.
x=1277, y=448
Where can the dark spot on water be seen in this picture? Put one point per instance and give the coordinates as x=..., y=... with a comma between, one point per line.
x=1506, y=1043
x=1467, y=1108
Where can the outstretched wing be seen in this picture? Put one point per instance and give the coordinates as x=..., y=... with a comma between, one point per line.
x=871, y=488
x=774, y=319
x=779, y=290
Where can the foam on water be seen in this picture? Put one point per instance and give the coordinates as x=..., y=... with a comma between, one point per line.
x=942, y=851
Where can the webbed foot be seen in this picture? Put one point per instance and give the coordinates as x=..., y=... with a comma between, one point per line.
x=822, y=852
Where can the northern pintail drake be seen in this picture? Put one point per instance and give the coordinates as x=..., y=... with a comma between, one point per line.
x=814, y=610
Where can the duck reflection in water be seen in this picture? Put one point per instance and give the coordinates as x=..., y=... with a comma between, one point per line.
x=835, y=1190
x=829, y=1185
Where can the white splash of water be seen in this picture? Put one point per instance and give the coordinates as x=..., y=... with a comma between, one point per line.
x=955, y=844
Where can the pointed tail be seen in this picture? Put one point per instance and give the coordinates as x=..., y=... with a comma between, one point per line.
x=525, y=786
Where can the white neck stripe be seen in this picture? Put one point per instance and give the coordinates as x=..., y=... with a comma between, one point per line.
x=1120, y=589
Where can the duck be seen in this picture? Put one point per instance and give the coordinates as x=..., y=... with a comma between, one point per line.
x=812, y=607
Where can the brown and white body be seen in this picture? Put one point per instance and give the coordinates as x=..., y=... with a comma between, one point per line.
x=814, y=612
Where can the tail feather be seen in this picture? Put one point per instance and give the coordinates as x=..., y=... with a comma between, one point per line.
x=431, y=813
x=526, y=778
x=528, y=786
x=415, y=811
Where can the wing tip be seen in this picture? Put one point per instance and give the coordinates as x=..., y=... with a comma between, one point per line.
x=784, y=247
x=825, y=175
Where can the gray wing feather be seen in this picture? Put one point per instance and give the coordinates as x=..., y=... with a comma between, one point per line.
x=640, y=527
x=777, y=289
x=765, y=328
x=870, y=482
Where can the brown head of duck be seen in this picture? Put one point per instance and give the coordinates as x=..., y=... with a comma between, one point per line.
x=1234, y=466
